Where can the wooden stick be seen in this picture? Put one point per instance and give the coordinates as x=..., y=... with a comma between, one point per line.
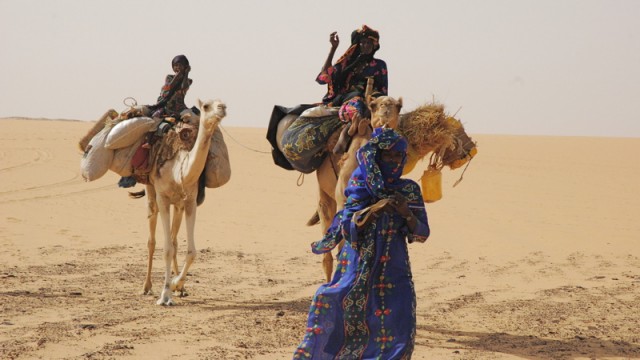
x=369, y=89
x=97, y=127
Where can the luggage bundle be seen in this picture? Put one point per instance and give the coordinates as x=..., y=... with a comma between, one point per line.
x=114, y=140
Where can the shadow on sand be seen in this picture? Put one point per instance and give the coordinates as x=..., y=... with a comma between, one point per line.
x=529, y=347
x=299, y=306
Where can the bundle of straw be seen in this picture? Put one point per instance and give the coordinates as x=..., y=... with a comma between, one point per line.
x=427, y=130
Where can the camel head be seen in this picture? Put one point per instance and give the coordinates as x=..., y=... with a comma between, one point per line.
x=385, y=110
x=211, y=113
x=463, y=148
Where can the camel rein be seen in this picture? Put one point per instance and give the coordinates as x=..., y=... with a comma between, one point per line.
x=239, y=143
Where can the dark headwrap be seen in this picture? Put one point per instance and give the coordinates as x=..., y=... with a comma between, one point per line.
x=353, y=51
x=366, y=32
x=180, y=59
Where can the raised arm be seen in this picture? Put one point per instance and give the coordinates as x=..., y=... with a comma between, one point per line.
x=185, y=78
x=324, y=76
x=181, y=79
x=335, y=41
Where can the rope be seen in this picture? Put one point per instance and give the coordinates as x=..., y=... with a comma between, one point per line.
x=133, y=104
x=239, y=143
x=300, y=179
x=333, y=166
x=461, y=175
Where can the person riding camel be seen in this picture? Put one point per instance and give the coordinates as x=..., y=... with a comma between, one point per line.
x=347, y=79
x=170, y=105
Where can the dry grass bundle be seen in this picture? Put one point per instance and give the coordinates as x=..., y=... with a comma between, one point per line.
x=426, y=129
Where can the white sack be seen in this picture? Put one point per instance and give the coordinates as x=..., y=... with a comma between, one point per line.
x=96, y=160
x=121, y=163
x=319, y=111
x=129, y=131
x=218, y=168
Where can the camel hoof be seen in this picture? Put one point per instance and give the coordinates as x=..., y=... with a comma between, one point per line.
x=165, y=302
x=146, y=289
x=177, y=284
x=165, y=297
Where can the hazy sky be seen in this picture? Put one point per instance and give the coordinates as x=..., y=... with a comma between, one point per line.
x=539, y=67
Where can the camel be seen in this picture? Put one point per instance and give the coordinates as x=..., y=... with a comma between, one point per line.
x=385, y=111
x=175, y=182
x=335, y=170
x=443, y=136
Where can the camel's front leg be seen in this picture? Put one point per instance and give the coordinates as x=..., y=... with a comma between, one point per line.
x=190, y=216
x=151, y=243
x=326, y=211
x=326, y=175
x=178, y=211
x=169, y=251
x=349, y=165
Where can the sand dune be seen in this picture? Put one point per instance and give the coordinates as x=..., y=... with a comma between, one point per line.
x=533, y=256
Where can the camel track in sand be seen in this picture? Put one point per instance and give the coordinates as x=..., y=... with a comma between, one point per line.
x=68, y=186
x=40, y=156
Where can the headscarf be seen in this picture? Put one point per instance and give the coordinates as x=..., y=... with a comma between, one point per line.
x=180, y=59
x=381, y=178
x=366, y=32
x=354, y=50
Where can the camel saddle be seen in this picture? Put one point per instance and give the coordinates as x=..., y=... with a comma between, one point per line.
x=160, y=149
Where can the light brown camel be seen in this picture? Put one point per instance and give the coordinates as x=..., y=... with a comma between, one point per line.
x=175, y=182
x=428, y=130
x=334, y=172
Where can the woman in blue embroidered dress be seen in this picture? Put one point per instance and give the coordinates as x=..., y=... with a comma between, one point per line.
x=347, y=80
x=368, y=310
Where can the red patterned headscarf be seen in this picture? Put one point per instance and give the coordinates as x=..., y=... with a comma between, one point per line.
x=354, y=50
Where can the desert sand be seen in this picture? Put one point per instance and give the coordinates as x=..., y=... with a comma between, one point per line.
x=534, y=255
